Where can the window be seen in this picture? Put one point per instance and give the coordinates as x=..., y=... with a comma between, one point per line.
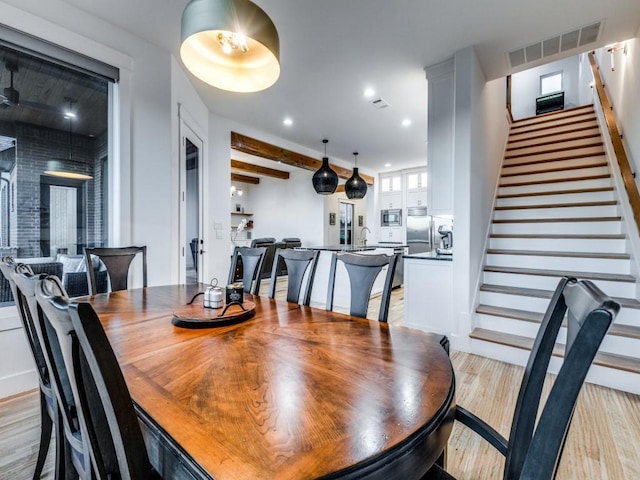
x=54, y=159
x=550, y=83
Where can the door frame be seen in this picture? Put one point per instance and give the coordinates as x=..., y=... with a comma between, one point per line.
x=188, y=133
x=46, y=182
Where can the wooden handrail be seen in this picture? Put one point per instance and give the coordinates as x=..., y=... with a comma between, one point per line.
x=618, y=147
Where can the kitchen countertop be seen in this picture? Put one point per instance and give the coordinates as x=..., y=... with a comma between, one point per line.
x=352, y=248
x=429, y=256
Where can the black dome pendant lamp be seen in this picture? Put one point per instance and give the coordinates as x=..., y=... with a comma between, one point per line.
x=355, y=187
x=325, y=180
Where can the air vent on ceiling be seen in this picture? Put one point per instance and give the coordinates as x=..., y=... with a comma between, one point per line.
x=554, y=45
x=380, y=103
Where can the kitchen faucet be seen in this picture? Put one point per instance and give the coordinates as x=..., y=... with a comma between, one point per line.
x=363, y=239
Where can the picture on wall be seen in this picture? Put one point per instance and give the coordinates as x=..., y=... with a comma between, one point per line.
x=332, y=219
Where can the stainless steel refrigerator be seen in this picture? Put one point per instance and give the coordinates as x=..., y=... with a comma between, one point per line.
x=419, y=232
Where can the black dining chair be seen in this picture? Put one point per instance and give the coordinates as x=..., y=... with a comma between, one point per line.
x=297, y=262
x=362, y=272
x=56, y=348
x=252, y=260
x=104, y=410
x=117, y=261
x=533, y=450
x=49, y=415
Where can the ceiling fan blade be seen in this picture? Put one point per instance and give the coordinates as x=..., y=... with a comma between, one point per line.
x=40, y=106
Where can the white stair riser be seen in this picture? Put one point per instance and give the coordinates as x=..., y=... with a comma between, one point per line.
x=557, y=212
x=541, y=177
x=504, y=300
x=555, y=164
x=532, y=136
x=568, y=142
x=608, y=377
x=578, y=228
x=547, y=187
x=541, y=282
x=603, y=196
x=561, y=121
x=573, y=264
x=556, y=158
x=561, y=137
x=561, y=115
x=560, y=244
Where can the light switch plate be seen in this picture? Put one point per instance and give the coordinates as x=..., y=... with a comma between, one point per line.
x=219, y=234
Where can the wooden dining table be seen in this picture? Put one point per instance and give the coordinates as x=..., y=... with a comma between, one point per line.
x=292, y=393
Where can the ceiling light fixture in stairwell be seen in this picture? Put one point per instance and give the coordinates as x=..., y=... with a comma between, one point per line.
x=616, y=47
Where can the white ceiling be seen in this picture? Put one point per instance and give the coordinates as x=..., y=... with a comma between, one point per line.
x=330, y=50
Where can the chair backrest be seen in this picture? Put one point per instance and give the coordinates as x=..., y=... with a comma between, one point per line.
x=589, y=313
x=363, y=271
x=117, y=260
x=11, y=270
x=57, y=344
x=252, y=260
x=297, y=261
x=103, y=403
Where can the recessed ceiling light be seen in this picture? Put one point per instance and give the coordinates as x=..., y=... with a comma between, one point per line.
x=369, y=92
x=406, y=122
x=387, y=165
x=287, y=121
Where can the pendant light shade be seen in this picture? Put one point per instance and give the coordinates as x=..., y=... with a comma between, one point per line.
x=325, y=180
x=230, y=44
x=355, y=187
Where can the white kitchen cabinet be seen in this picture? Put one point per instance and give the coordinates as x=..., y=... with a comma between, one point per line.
x=390, y=200
x=391, y=183
x=391, y=234
x=417, y=198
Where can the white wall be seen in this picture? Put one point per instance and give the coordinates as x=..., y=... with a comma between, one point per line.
x=525, y=86
x=360, y=207
x=624, y=94
x=481, y=131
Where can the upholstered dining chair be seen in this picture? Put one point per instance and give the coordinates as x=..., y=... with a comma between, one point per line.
x=362, y=272
x=104, y=410
x=298, y=262
x=117, y=260
x=533, y=450
x=49, y=415
x=252, y=260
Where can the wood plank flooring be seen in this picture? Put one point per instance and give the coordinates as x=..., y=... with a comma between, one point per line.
x=603, y=443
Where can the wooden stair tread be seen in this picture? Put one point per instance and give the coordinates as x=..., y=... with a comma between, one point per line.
x=619, y=330
x=553, y=150
x=512, y=163
x=562, y=168
x=558, y=205
x=578, y=129
x=542, y=121
x=539, y=293
x=543, y=127
x=544, y=253
x=556, y=236
x=554, y=142
x=556, y=192
x=557, y=220
x=603, y=359
x=611, y=277
x=559, y=113
x=600, y=176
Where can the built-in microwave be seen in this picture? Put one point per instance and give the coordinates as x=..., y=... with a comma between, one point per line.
x=391, y=218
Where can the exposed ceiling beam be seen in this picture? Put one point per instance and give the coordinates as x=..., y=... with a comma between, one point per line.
x=236, y=177
x=266, y=150
x=259, y=170
x=340, y=188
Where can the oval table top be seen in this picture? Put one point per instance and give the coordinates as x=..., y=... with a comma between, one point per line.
x=292, y=393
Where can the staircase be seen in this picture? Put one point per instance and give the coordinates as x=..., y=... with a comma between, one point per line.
x=557, y=214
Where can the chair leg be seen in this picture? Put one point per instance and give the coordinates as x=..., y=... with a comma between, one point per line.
x=60, y=466
x=46, y=427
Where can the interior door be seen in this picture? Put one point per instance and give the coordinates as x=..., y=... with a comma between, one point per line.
x=191, y=251
x=62, y=217
x=346, y=223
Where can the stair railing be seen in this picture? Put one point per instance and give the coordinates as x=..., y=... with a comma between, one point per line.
x=618, y=147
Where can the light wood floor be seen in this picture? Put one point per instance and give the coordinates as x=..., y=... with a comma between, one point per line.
x=603, y=443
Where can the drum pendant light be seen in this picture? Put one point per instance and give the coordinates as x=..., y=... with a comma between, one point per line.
x=325, y=180
x=230, y=44
x=355, y=187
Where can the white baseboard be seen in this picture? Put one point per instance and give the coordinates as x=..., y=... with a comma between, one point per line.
x=18, y=383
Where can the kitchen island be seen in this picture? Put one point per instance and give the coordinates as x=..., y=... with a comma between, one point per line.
x=342, y=296
x=428, y=292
